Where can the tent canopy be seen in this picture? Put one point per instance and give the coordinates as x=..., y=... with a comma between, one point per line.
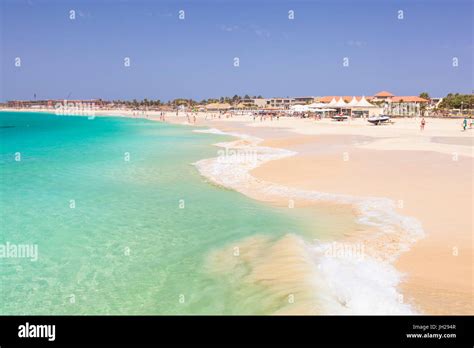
x=340, y=103
x=299, y=108
x=333, y=102
x=353, y=102
x=317, y=105
x=325, y=110
x=363, y=103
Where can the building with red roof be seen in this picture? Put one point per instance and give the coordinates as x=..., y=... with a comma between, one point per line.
x=387, y=103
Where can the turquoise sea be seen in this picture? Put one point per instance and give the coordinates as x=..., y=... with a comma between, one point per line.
x=118, y=236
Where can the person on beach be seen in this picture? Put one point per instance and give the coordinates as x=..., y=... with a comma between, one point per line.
x=464, y=123
x=194, y=118
x=422, y=124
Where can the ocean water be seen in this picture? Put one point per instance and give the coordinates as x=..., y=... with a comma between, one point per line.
x=125, y=224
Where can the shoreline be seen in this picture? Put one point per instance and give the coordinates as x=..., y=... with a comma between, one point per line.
x=279, y=156
x=376, y=214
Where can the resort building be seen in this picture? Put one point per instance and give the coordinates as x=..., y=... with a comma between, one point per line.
x=382, y=96
x=303, y=100
x=400, y=105
x=52, y=103
x=381, y=103
x=404, y=106
x=254, y=102
x=280, y=103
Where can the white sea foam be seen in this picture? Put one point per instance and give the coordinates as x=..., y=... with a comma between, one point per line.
x=344, y=285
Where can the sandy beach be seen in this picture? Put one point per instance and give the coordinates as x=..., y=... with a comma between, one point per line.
x=427, y=175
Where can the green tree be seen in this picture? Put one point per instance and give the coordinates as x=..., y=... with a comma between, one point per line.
x=425, y=95
x=423, y=106
x=455, y=101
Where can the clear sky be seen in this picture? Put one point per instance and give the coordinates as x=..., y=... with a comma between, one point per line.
x=194, y=57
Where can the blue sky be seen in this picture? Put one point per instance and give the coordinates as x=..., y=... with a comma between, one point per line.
x=193, y=58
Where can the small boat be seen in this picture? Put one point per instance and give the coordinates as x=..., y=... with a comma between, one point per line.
x=376, y=120
x=340, y=117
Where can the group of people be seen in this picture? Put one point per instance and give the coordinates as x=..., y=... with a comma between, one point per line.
x=263, y=116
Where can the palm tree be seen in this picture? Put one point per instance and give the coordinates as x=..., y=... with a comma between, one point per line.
x=426, y=96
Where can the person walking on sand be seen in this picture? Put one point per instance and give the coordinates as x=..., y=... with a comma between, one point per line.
x=194, y=118
x=464, y=123
x=422, y=124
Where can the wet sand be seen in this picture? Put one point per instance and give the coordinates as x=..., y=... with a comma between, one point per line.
x=434, y=186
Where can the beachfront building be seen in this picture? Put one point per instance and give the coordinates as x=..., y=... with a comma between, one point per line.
x=257, y=103
x=52, y=103
x=399, y=105
x=381, y=103
x=277, y=103
x=382, y=97
x=280, y=103
x=404, y=106
x=303, y=100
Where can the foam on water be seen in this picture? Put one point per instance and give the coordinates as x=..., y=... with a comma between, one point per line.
x=342, y=285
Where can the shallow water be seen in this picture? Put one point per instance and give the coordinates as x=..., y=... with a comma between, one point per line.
x=126, y=237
